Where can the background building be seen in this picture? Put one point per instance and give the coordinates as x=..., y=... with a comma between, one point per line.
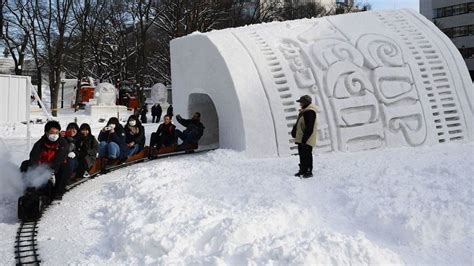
x=456, y=19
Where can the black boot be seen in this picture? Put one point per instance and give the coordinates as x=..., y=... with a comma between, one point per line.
x=308, y=173
x=300, y=172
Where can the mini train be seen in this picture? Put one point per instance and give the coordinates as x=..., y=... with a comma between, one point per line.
x=35, y=200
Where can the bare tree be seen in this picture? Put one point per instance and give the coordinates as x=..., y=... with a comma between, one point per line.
x=15, y=33
x=55, y=27
x=2, y=5
x=176, y=18
x=294, y=10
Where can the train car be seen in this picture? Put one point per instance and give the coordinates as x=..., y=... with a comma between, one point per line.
x=35, y=200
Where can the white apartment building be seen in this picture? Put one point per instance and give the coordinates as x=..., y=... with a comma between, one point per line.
x=456, y=19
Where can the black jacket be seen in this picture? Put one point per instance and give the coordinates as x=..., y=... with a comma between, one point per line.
x=72, y=141
x=156, y=110
x=87, y=149
x=42, y=146
x=169, y=111
x=137, y=138
x=118, y=137
x=309, y=118
x=192, y=126
x=167, y=134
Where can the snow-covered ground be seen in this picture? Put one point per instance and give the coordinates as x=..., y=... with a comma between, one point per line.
x=397, y=206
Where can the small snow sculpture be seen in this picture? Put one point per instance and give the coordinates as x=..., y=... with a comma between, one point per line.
x=159, y=93
x=106, y=94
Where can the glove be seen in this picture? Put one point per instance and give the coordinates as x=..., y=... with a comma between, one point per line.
x=71, y=155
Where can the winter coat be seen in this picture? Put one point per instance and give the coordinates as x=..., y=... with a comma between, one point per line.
x=118, y=137
x=169, y=111
x=50, y=153
x=191, y=125
x=138, y=138
x=87, y=149
x=156, y=110
x=305, y=129
x=72, y=141
x=167, y=134
x=144, y=110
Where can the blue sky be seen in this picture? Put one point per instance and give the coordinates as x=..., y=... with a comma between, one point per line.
x=391, y=4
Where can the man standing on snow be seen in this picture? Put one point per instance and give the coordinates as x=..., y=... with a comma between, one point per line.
x=304, y=132
x=156, y=113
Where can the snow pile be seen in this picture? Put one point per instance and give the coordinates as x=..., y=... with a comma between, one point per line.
x=408, y=206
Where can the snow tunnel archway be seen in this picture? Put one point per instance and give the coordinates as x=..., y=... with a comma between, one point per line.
x=399, y=82
x=202, y=103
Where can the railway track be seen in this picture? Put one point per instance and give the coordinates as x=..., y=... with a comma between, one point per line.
x=26, y=244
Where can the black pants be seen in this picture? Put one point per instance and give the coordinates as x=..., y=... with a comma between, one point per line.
x=306, y=157
x=187, y=136
x=62, y=178
x=160, y=141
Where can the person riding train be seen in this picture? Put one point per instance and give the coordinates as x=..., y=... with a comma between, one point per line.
x=194, y=129
x=87, y=148
x=165, y=135
x=71, y=136
x=135, y=135
x=112, y=141
x=51, y=151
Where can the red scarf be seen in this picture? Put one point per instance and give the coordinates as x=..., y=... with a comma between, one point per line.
x=48, y=154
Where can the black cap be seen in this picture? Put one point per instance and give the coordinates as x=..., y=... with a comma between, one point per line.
x=52, y=124
x=306, y=99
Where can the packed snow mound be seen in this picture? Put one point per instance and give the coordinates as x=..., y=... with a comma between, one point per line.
x=399, y=82
x=412, y=206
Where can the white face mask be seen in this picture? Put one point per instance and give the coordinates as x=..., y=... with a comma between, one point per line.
x=53, y=137
x=132, y=123
x=112, y=126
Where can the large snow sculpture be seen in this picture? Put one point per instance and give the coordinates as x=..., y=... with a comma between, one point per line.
x=159, y=93
x=382, y=79
x=106, y=94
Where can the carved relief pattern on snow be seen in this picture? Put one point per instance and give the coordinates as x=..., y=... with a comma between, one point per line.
x=328, y=52
x=443, y=106
x=355, y=107
x=395, y=89
x=305, y=79
x=380, y=51
x=280, y=83
x=371, y=98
